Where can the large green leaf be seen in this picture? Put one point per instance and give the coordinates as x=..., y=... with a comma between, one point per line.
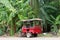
x=57, y=19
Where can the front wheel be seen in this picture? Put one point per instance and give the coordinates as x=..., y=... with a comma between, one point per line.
x=28, y=35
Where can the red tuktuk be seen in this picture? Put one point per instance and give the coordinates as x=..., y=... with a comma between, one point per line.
x=32, y=27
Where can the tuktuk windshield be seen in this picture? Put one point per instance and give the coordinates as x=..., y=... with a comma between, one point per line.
x=31, y=23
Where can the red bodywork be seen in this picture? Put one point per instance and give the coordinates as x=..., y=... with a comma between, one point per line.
x=34, y=30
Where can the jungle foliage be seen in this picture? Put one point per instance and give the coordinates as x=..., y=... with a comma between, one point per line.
x=12, y=11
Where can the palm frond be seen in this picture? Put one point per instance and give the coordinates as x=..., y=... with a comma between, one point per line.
x=48, y=6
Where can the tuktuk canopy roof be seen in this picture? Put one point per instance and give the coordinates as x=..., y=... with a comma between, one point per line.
x=35, y=19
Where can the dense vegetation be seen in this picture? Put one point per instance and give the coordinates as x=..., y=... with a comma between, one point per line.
x=12, y=11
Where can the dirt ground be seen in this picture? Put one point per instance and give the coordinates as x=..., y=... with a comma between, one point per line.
x=46, y=36
x=39, y=35
x=24, y=38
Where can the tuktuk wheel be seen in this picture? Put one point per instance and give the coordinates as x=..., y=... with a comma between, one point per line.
x=34, y=35
x=28, y=35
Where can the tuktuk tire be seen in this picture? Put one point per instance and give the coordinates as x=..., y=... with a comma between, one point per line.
x=28, y=35
x=34, y=35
